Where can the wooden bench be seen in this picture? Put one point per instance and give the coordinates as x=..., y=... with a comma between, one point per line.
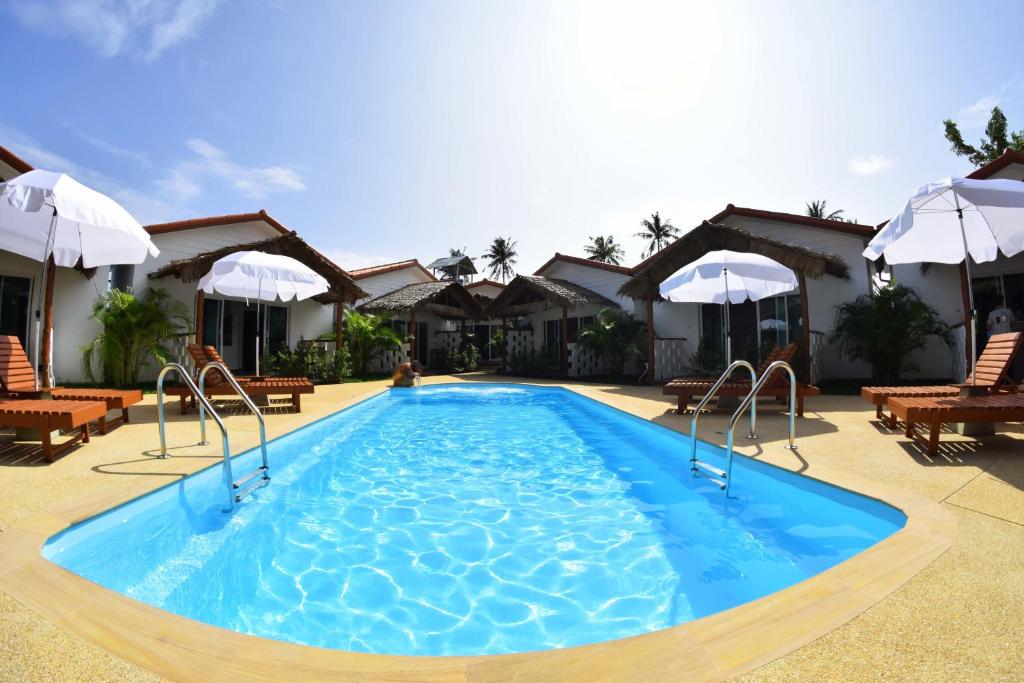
x=268, y=386
x=934, y=412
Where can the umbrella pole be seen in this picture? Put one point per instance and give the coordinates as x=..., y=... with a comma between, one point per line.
x=970, y=292
x=728, y=326
x=47, y=253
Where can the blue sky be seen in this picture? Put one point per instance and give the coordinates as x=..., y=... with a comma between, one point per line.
x=389, y=130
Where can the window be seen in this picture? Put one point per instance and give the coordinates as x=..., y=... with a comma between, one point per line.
x=14, y=305
x=277, y=328
x=211, y=322
x=553, y=334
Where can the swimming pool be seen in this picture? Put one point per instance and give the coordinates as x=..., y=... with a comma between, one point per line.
x=460, y=519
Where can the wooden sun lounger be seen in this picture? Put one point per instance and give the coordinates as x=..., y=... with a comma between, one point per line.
x=686, y=389
x=216, y=385
x=992, y=375
x=934, y=412
x=269, y=386
x=19, y=381
x=49, y=415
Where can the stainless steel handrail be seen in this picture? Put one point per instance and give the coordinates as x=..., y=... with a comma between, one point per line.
x=201, y=400
x=751, y=398
x=245, y=399
x=710, y=395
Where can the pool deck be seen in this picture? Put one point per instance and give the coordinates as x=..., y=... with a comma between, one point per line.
x=942, y=599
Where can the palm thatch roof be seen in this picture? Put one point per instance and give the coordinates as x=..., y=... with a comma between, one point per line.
x=447, y=299
x=343, y=288
x=531, y=293
x=649, y=274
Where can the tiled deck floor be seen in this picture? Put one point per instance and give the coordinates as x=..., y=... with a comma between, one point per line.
x=962, y=618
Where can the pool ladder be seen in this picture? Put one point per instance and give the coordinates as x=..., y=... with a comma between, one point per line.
x=699, y=468
x=237, y=489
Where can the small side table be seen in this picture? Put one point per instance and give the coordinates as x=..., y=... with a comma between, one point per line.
x=974, y=428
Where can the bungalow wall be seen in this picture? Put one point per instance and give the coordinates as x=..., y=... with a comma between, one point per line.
x=824, y=294
x=378, y=285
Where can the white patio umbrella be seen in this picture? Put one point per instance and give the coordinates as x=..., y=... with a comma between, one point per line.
x=44, y=214
x=724, y=277
x=946, y=220
x=263, y=277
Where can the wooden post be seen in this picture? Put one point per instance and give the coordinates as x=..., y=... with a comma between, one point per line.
x=47, y=332
x=650, y=339
x=806, y=327
x=200, y=301
x=565, y=340
x=965, y=292
x=339, y=319
x=412, y=326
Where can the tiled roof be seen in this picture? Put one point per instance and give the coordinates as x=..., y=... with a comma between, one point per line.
x=370, y=271
x=212, y=221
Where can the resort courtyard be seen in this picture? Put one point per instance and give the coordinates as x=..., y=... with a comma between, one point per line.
x=939, y=600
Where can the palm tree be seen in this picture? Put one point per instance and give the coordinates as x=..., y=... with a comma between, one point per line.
x=367, y=336
x=605, y=250
x=501, y=256
x=885, y=328
x=453, y=251
x=136, y=331
x=817, y=209
x=615, y=337
x=657, y=233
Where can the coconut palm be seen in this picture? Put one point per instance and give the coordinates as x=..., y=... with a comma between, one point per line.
x=818, y=209
x=656, y=233
x=456, y=251
x=136, y=331
x=614, y=337
x=501, y=256
x=605, y=250
x=885, y=328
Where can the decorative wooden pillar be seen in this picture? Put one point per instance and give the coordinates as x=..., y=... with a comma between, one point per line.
x=650, y=339
x=806, y=327
x=565, y=341
x=47, y=331
x=965, y=291
x=412, y=326
x=200, y=301
x=339, y=319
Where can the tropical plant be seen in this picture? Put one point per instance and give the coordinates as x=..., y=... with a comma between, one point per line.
x=657, y=233
x=456, y=251
x=501, y=256
x=499, y=342
x=991, y=146
x=615, y=337
x=544, y=362
x=885, y=328
x=605, y=250
x=366, y=336
x=818, y=208
x=308, y=360
x=708, y=360
x=136, y=331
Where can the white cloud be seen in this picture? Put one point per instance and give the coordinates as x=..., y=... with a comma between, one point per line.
x=977, y=115
x=870, y=165
x=146, y=207
x=110, y=148
x=142, y=28
x=210, y=162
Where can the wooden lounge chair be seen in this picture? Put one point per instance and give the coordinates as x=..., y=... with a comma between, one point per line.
x=19, y=381
x=216, y=385
x=992, y=376
x=778, y=386
x=49, y=415
x=934, y=411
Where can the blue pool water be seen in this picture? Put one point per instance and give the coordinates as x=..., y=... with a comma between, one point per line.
x=455, y=519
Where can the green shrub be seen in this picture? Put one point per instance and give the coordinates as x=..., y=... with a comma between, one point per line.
x=535, y=363
x=308, y=360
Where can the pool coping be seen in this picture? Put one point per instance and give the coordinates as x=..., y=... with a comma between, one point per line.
x=715, y=647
